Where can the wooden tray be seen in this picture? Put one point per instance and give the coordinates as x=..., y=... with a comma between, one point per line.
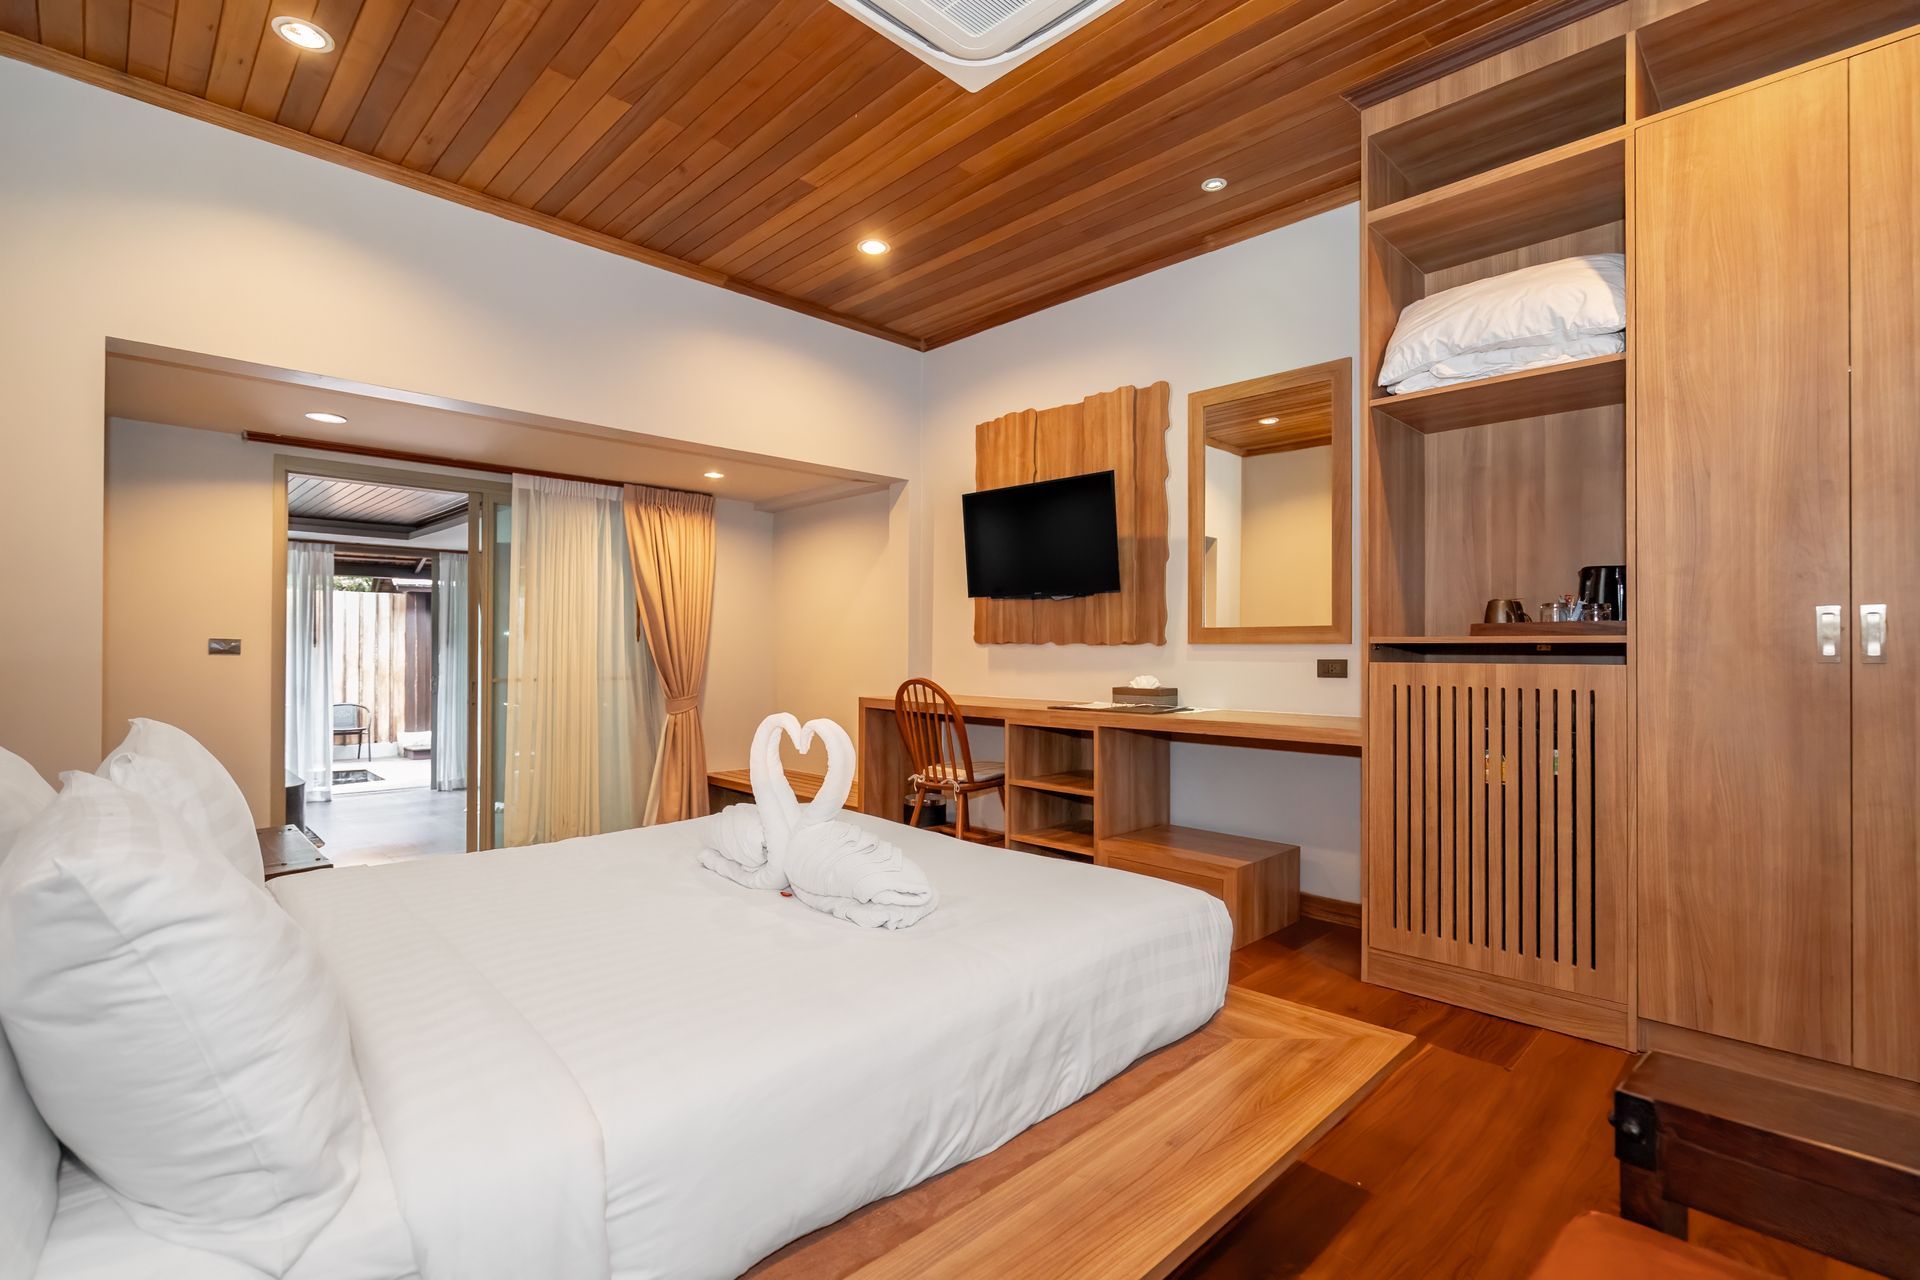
x=1548, y=629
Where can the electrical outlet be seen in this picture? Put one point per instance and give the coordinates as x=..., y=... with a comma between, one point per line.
x=223, y=646
x=1331, y=669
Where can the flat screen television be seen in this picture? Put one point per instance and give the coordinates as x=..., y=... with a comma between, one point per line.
x=1049, y=540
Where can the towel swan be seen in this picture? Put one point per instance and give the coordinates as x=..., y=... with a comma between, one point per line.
x=831, y=865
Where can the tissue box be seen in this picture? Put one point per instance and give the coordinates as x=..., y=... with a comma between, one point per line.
x=1147, y=697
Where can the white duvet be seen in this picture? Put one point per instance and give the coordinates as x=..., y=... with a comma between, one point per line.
x=595, y=1058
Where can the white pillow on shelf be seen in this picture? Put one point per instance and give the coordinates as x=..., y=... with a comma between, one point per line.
x=171, y=768
x=1475, y=365
x=1554, y=302
x=23, y=794
x=176, y=1029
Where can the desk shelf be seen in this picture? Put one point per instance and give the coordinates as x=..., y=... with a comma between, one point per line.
x=1074, y=836
x=1072, y=782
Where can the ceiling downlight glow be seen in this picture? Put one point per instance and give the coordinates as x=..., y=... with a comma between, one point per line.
x=302, y=34
x=873, y=248
x=331, y=419
x=1269, y=422
x=716, y=475
x=1213, y=184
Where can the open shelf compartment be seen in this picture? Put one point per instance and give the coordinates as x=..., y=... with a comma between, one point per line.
x=1571, y=188
x=1568, y=100
x=1532, y=393
x=1717, y=45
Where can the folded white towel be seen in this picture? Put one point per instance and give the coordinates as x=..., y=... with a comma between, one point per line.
x=746, y=842
x=849, y=872
x=737, y=849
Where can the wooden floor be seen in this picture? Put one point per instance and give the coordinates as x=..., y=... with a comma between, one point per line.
x=1464, y=1163
x=390, y=826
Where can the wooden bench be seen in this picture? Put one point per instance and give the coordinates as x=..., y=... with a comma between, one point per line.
x=1831, y=1174
x=734, y=786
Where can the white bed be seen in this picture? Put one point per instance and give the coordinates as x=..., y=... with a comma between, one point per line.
x=595, y=1057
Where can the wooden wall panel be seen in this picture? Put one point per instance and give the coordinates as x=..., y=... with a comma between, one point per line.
x=1497, y=825
x=1885, y=164
x=1123, y=430
x=1741, y=494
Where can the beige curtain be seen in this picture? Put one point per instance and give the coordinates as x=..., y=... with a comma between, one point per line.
x=582, y=705
x=670, y=541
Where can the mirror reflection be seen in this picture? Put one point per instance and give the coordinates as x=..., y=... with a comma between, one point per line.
x=1272, y=507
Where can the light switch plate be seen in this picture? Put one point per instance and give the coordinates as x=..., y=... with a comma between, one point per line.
x=223, y=646
x=1331, y=669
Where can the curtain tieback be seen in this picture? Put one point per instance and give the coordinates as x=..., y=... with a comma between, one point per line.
x=682, y=706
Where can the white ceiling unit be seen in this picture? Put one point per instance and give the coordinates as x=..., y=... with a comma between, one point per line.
x=975, y=42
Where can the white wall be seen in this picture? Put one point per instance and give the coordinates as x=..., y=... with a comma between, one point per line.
x=839, y=614
x=1276, y=302
x=118, y=219
x=1222, y=516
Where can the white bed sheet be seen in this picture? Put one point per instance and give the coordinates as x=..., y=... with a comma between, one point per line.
x=596, y=1057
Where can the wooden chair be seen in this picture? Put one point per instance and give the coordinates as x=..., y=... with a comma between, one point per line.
x=353, y=721
x=943, y=762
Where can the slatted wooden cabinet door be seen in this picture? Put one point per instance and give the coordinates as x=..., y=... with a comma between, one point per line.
x=1497, y=822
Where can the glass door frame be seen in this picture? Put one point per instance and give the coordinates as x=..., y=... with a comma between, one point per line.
x=484, y=498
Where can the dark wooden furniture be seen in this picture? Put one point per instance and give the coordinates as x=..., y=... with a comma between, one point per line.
x=356, y=727
x=936, y=739
x=1599, y=1246
x=1832, y=1174
x=286, y=851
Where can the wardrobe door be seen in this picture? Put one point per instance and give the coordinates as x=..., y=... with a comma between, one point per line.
x=1740, y=333
x=1885, y=158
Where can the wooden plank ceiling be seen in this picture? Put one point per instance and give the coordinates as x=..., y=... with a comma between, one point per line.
x=1274, y=422
x=752, y=143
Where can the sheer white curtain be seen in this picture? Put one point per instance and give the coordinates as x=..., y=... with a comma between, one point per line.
x=309, y=717
x=583, y=701
x=450, y=671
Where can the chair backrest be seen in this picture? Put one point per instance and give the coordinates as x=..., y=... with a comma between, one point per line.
x=935, y=734
x=351, y=715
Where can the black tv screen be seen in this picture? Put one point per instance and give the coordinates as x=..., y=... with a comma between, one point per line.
x=1048, y=540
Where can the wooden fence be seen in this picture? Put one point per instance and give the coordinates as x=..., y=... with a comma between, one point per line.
x=383, y=658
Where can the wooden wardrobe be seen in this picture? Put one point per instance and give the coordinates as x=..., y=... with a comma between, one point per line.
x=1778, y=478
x=1703, y=833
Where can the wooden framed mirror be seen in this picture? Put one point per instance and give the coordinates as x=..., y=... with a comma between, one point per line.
x=1270, y=509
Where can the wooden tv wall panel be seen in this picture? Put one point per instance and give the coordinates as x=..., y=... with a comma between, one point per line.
x=1123, y=430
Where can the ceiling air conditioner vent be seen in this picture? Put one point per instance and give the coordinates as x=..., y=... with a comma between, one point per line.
x=975, y=42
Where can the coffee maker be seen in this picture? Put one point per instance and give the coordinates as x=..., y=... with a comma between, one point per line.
x=1605, y=584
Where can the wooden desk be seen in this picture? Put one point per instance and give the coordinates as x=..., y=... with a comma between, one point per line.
x=735, y=786
x=1094, y=785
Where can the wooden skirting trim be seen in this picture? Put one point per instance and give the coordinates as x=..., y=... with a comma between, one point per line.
x=1330, y=910
x=1737, y=1055
x=186, y=104
x=1561, y=1011
x=1473, y=47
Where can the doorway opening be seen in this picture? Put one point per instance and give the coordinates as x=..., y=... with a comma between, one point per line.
x=382, y=734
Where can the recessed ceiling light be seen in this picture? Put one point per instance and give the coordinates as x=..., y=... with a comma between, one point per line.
x=302, y=34
x=333, y=419
x=874, y=248
x=1269, y=422
x=1214, y=184
x=716, y=475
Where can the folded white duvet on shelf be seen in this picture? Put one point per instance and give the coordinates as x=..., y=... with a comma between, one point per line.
x=1548, y=306
x=1476, y=365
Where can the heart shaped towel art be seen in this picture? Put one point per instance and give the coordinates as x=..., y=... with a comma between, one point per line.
x=830, y=864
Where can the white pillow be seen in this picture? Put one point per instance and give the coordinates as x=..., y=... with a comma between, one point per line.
x=177, y=1030
x=23, y=794
x=171, y=768
x=1475, y=365
x=29, y=1173
x=1553, y=302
